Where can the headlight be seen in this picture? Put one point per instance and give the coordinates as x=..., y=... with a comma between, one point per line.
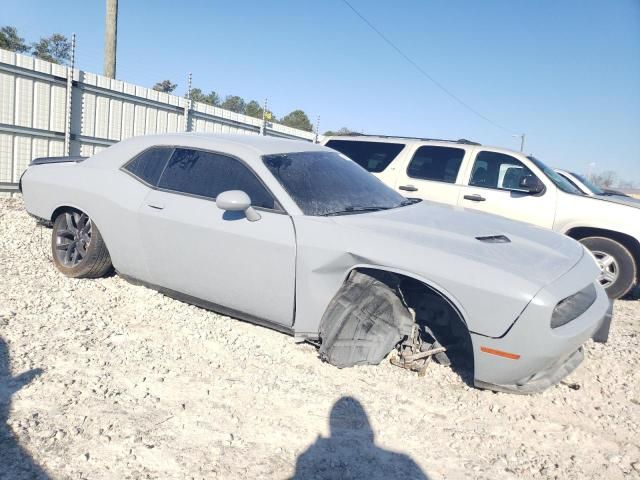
x=572, y=307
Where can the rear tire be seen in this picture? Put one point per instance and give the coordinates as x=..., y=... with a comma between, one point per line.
x=77, y=246
x=618, y=267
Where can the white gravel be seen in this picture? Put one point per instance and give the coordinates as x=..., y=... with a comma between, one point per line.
x=132, y=384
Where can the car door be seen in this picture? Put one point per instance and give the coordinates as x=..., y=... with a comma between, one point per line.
x=493, y=186
x=432, y=173
x=195, y=248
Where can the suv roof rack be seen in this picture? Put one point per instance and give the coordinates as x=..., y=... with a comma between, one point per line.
x=461, y=140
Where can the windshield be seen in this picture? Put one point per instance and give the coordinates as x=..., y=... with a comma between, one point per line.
x=558, y=180
x=590, y=185
x=326, y=183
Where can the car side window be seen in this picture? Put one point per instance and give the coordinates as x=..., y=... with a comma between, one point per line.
x=499, y=171
x=148, y=165
x=208, y=174
x=440, y=164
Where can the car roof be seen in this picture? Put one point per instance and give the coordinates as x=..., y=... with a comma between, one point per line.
x=419, y=141
x=392, y=139
x=230, y=143
x=261, y=144
x=245, y=146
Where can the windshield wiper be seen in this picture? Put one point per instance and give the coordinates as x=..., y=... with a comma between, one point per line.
x=351, y=210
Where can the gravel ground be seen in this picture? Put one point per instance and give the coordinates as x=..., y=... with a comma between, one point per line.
x=102, y=379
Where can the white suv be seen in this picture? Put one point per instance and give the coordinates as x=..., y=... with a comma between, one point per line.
x=507, y=183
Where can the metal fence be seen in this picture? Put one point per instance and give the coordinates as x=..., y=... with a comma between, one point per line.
x=51, y=110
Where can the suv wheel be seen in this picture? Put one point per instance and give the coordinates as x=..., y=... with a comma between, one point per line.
x=617, y=265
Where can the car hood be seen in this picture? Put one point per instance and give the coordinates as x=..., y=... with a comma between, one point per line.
x=619, y=199
x=537, y=254
x=489, y=283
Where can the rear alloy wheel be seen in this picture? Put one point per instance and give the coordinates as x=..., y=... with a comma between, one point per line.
x=77, y=246
x=618, y=270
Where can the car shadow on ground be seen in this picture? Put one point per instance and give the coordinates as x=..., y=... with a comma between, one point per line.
x=15, y=462
x=350, y=451
x=634, y=294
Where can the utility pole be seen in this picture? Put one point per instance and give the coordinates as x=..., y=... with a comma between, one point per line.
x=522, y=137
x=110, y=38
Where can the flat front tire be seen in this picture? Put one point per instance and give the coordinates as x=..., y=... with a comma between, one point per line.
x=77, y=246
x=618, y=269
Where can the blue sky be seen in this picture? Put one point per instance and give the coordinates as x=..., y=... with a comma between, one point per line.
x=567, y=73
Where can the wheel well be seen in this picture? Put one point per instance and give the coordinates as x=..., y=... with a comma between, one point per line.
x=439, y=314
x=631, y=243
x=61, y=209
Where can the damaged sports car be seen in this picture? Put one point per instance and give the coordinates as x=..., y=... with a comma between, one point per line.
x=297, y=237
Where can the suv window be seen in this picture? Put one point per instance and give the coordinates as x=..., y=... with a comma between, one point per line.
x=148, y=165
x=436, y=163
x=497, y=170
x=373, y=156
x=208, y=174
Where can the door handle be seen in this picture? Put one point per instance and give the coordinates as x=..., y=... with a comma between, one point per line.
x=475, y=198
x=408, y=188
x=157, y=206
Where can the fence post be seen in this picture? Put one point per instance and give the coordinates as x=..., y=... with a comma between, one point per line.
x=263, y=127
x=187, y=107
x=315, y=140
x=70, y=69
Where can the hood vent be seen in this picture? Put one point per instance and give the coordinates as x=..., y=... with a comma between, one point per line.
x=494, y=239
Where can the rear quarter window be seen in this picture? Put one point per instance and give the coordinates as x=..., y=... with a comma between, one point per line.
x=148, y=165
x=373, y=156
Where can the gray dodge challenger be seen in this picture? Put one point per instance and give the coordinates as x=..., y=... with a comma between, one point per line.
x=297, y=237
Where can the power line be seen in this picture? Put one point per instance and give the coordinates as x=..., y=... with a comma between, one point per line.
x=424, y=72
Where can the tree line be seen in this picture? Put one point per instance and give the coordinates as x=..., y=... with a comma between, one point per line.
x=55, y=48
x=295, y=119
x=609, y=179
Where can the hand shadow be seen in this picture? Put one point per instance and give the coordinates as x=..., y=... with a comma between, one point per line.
x=15, y=462
x=350, y=451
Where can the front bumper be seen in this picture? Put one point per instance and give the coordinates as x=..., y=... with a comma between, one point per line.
x=540, y=356
x=555, y=372
x=542, y=380
x=602, y=334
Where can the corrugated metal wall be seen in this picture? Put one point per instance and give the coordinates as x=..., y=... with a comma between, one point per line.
x=33, y=102
x=33, y=113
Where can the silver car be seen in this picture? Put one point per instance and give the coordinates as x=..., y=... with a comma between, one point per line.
x=297, y=237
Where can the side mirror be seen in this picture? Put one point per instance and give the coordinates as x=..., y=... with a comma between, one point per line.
x=531, y=184
x=237, y=201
